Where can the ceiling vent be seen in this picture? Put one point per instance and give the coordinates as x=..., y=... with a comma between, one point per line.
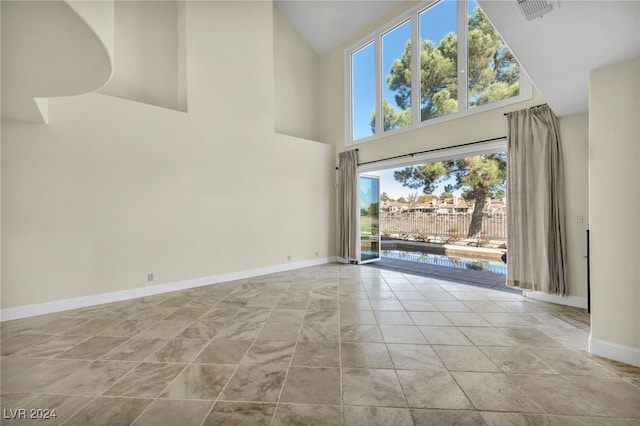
x=534, y=8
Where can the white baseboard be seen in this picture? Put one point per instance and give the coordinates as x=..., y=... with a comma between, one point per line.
x=575, y=301
x=117, y=296
x=614, y=351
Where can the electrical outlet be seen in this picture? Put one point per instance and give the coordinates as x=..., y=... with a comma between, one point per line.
x=579, y=218
x=289, y=257
x=150, y=276
x=316, y=254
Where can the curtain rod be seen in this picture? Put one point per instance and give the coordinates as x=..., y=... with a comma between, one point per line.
x=431, y=150
x=535, y=106
x=439, y=149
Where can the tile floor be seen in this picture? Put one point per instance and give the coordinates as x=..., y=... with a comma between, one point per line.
x=327, y=345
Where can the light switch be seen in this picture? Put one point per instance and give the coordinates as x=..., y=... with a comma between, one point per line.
x=579, y=218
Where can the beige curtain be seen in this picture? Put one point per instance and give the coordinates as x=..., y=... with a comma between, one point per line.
x=536, y=255
x=348, y=206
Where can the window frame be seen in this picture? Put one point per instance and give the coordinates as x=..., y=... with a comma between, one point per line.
x=412, y=15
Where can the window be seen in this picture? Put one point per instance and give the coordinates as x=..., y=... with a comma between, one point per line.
x=363, y=87
x=396, y=93
x=438, y=60
x=494, y=73
x=463, y=67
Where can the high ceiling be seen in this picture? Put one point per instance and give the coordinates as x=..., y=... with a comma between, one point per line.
x=557, y=51
x=560, y=49
x=326, y=23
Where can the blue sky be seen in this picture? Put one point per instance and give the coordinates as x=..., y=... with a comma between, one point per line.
x=395, y=190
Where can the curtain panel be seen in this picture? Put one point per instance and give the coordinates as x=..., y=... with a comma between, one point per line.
x=535, y=209
x=348, y=206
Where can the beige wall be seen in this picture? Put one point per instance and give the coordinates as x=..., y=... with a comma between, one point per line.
x=36, y=60
x=297, y=82
x=574, y=135
x=111, y=189
x=482, y=126
x=148, y=45
x=614, y=179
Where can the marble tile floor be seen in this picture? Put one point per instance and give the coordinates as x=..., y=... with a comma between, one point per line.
x=326, y=345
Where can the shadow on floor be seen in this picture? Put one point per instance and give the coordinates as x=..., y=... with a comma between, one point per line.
x=463, y=276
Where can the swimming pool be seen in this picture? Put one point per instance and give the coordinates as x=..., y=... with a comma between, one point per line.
x=449, y=261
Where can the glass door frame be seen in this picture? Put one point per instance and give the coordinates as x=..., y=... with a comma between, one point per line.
x=374, y=259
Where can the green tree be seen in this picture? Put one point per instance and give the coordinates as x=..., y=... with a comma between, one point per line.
x=391, y=117
x=479, y=177
x=402, y=200
x=385, y=197
x=423, y=199
x=492, y=72
x=445, y=195
x=425, y=176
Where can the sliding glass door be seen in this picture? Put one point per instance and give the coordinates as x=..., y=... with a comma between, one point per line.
x=369, y=218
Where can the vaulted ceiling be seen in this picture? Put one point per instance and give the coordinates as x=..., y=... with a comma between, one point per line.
x=557, y=50
x=326, y=23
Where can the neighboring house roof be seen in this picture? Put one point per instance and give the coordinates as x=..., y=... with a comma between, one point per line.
x=435, y=204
